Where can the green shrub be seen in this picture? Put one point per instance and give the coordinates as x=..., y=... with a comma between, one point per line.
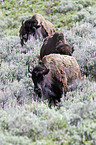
x=14, y=79
x=68, y=5
x=83, y=39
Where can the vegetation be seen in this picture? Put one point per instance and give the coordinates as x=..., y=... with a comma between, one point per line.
x=24, y=119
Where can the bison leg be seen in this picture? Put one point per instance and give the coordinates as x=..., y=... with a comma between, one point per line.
x=22, y=42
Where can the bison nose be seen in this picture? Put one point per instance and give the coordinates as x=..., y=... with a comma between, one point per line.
x=37, y=90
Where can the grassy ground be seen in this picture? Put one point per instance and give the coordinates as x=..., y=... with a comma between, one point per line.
x=23, y=119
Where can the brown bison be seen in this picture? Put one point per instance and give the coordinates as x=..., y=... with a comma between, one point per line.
x=36, y=26
x=53, y=75
x=55, y=43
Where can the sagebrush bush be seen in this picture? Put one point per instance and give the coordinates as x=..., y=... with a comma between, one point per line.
x=83, y=39
x=73, y=5
x=14, y=60
x=25, y=119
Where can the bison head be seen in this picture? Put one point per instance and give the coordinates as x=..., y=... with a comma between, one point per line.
x=29, y=27
x=38, y=77
x=65, y=49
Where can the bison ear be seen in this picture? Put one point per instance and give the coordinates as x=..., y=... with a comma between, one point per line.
x=46, y=71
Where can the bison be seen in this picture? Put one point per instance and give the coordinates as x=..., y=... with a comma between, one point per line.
x=54, y=75
x=55, y=43
x=36, y=26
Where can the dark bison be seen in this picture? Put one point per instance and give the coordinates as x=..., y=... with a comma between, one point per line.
x=53, y=75
x=36, y=26
x=55, y=43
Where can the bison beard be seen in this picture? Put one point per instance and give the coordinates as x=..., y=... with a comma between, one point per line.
x=53, y=92
x=57, y=91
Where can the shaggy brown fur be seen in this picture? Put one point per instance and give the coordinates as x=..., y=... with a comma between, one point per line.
x=64, y=67
x=45, y=24
x=53, y=76
x=55, y=43
x=36, y=26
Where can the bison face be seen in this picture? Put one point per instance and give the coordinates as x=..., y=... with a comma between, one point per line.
x=38, y=77
x=29, y=27
x=65, y=49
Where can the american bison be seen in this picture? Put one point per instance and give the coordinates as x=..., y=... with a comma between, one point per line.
x=53, y=75
x=36, y=26
x=55, y=43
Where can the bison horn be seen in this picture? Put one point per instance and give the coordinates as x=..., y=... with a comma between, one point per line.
x=29, y=70
x=46, y=71
x=72, y=49
x=22, y=22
